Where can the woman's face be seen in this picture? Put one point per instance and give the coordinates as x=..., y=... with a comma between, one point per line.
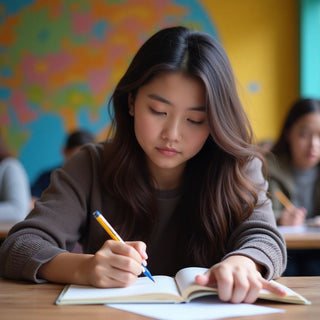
x=170, y=122
x=304, y=141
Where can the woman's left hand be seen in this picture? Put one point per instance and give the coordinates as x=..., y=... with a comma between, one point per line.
x=237, y=279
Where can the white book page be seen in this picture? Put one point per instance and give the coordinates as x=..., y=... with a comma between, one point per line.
x=291, y=295
x=142, y=286
x=185, y=277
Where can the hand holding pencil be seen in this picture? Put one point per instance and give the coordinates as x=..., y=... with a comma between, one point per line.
x=284, y=200
x=114, y=235
x=291, y=215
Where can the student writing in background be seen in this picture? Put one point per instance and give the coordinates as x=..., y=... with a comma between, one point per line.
x=15, y=198
x=180, y=180
x=74, y=142
x=293, y=164
x=293, y=168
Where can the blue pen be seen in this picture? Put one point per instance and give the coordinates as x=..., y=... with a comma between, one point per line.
x=114, y=235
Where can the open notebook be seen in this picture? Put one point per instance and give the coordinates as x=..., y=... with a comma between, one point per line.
x=180, y=288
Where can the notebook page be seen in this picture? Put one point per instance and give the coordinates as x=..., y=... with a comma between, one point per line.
x=143, y=285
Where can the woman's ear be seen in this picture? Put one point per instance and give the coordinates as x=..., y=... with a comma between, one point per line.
x=131, y=104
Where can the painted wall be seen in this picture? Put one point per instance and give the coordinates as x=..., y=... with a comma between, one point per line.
x=261, y=38
x=310, y=48
x=60, y=60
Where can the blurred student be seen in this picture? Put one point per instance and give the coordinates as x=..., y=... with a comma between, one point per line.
x=293, y=168
x=293, y=164
x=73, y=144
x=15, y=195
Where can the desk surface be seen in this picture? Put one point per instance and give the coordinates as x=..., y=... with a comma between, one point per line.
x=301, y=237
x=21, y=300
x=5, y=228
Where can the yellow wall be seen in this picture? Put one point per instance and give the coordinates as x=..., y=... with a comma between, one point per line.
x=261, y=39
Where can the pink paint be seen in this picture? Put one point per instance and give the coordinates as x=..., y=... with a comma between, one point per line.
x=59, y=62
x=38, y=70
x=97, y=80
x=82, y=23
x=30, y=69
x=22, y=111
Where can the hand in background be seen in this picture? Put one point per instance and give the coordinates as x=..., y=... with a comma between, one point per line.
x=293, y=217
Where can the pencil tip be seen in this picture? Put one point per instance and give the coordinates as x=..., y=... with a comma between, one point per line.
x=148, y=274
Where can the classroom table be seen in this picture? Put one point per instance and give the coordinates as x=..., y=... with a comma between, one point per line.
x=5, y=228
x=23, y=300
x=301, y=237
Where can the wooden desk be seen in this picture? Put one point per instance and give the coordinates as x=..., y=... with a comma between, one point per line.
x=5, y=228
x=301, y=237
x=20, y=300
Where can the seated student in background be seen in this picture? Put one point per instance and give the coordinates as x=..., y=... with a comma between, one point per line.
x=293, y=168
x=15, y=198
x=180, y=179
x=74, y=142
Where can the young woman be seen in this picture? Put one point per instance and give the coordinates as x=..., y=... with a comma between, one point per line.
x=294, y=164
x=293, y=167
x=180, y=180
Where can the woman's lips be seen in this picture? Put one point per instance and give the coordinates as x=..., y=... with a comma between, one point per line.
x=168, y=151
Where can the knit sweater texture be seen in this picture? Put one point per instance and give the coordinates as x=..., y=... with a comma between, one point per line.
x=63, y=216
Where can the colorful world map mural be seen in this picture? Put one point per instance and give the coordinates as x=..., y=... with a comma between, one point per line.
x=60, y=60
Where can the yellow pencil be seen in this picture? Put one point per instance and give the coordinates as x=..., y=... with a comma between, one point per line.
x=114, y=235
x=284, y=200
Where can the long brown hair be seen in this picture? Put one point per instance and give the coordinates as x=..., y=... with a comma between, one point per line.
x=217, y=191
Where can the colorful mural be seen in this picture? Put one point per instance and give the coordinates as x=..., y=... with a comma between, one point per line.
x=60, y=60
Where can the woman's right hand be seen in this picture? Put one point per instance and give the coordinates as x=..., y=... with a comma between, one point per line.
x=293, y=217
x=117, y=264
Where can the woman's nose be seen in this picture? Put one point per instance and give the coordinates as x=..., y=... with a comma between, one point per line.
x=172, y=130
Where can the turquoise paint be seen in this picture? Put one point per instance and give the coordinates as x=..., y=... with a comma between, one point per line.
x=310, y=48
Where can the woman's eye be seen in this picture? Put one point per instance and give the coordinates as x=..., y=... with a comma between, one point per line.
x=157, y=112
x=303, y=134
x=195, y=122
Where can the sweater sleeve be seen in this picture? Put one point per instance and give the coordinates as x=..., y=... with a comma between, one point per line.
x=15, y=199
x=55, y=224
x=279, y=178
x=257, y=237
x=277, y=206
